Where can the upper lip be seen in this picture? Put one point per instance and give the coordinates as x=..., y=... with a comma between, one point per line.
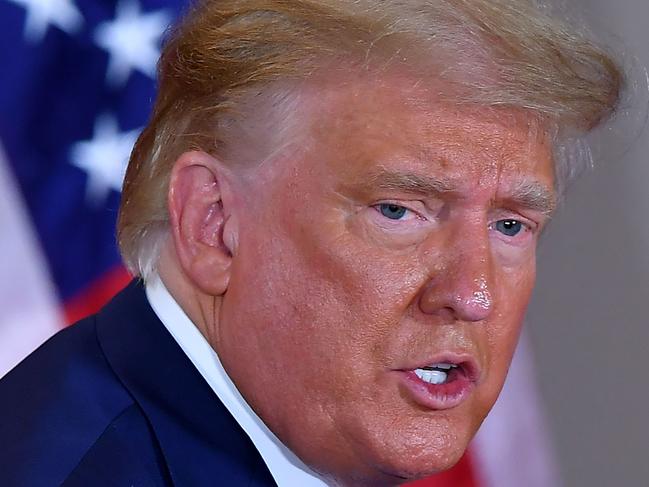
x=465, y=361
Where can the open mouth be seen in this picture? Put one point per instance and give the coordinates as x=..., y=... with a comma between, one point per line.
x=443, y=384
x=437, y=373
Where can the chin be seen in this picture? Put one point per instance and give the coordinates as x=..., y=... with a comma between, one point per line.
x=424, y=464
x=414, y=451
x=405, y=470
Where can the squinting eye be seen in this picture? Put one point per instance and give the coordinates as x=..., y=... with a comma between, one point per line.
x=510, y=228
x=392, y=211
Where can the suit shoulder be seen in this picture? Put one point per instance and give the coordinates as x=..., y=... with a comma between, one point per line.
x=55, y=404
x=126, y=453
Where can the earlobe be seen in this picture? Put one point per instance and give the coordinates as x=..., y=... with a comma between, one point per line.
x=199, y=216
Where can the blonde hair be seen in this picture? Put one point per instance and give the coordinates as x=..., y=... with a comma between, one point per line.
x=495, y=53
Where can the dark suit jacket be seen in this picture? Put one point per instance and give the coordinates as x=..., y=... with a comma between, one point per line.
x=114, y=401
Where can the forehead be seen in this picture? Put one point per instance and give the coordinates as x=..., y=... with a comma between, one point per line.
x=358, y=126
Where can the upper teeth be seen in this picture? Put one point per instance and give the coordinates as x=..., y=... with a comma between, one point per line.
x=443, y=366
x=435, y=373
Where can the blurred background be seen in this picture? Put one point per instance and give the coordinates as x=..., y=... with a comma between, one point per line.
x=589, y=319
x=76, y=85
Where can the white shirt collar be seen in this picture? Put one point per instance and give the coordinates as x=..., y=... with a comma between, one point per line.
x=286, y=468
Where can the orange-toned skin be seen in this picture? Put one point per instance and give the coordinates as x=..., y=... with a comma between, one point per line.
x=314, y=300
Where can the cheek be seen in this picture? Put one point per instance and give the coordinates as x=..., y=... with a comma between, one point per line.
x=504, y=327
x=339, y=280
x=316, y=328
x=319, y=303
x=514, y=288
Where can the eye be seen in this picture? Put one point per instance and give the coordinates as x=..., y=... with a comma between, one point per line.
x=392, y=211
x=509, y=227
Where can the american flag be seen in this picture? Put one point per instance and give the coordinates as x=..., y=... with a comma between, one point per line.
x=76, y=87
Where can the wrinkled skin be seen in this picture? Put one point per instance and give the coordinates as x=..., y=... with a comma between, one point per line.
x=329, y=298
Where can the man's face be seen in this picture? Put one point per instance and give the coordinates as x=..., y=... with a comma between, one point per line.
x=397, y=238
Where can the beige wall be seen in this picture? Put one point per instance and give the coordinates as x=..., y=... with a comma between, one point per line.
x=589, y=319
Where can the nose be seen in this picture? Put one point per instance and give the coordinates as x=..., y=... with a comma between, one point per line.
x=461, y=281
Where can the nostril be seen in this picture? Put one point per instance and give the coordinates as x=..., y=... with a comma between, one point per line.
x=461, y=297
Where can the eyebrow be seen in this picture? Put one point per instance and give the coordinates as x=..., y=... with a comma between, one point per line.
x=534, y=196
x=531, y=195
x=410, y=183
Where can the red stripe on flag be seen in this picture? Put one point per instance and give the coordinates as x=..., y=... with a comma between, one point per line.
x=461, y=475
x=91, y=299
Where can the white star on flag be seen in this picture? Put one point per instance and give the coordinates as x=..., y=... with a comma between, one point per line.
x=104, y=158
x=41, y=13
x=132, y=41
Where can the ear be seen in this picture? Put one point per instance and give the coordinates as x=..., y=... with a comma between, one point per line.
x=201, y=221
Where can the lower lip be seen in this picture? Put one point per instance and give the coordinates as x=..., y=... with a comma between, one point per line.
x=437, y=396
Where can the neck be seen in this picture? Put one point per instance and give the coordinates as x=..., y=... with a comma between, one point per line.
x=202, y=309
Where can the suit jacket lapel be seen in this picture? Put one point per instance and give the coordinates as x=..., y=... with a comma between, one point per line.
x=202, y=443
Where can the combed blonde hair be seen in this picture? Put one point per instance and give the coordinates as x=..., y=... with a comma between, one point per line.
x=495, y=53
